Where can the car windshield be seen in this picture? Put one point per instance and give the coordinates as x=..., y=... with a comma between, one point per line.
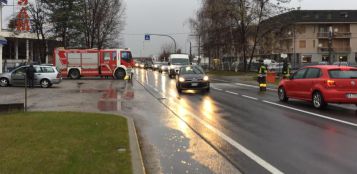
x=179, y=61
x=126, y=55
x=191, y=70
x=343, y=74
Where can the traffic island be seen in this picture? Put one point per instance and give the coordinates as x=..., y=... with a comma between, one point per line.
x=64, y=142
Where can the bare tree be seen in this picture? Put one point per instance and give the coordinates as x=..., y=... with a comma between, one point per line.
x=166, y=50
x=38, y=23
x=103, y=20
x=234, y=25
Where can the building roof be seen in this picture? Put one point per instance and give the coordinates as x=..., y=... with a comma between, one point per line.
x=319, y=16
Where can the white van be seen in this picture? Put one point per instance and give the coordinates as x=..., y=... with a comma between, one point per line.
x=176, y=61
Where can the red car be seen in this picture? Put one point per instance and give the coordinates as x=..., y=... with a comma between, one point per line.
x=321, y=85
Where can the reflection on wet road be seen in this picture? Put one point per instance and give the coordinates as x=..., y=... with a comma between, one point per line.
x=259, y=137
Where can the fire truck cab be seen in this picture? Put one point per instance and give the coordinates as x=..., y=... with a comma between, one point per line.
x=76, y=63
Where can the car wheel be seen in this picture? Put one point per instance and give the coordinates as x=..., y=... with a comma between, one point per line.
x=74, y=74
x=120, y=74
x=4, y=82
x=45, y=83
x=318, y=100
x=282, y=95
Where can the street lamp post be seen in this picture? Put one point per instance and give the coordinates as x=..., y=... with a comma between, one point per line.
x=165, y=35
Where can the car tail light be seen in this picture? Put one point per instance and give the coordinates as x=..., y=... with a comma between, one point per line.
x=58, y=75
x=330, y=83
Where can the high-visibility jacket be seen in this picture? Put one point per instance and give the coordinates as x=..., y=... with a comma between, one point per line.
x=286, y=70
x=262, y=70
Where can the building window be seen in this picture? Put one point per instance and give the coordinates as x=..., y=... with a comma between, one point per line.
x=302, y=44
x=324, y=58
x=306, y=59
x=301, y=29
x=343, y=58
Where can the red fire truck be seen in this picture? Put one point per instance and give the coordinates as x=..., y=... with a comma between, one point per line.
x=76, y=63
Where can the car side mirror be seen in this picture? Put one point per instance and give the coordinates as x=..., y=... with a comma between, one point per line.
x=169, y=63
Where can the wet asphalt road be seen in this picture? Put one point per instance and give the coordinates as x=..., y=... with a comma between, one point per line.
x=259, y=134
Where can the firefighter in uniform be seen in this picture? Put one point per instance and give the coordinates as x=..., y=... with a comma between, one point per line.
x=262, y=73
x=286, y=70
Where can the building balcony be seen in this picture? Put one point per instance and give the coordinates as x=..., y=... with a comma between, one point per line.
x=325, y=35
x=341, y=49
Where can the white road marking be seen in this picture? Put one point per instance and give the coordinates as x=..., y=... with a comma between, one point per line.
x=242, y=84
x=234, y=143
x=234, y=93
x=217, y=89
x=252, y=86
x=313, y=114
x=221, y=80
x=253, y=98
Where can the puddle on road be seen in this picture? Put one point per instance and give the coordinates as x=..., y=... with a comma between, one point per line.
x=115, y=97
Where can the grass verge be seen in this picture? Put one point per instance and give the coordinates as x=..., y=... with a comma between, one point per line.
x=63, y=142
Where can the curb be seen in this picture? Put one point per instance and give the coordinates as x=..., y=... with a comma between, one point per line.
x=136, y=156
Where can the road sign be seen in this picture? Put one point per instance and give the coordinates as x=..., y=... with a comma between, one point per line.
x=147, y=37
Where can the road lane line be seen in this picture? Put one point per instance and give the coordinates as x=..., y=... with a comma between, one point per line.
x=242, y=84
x=252, y=86
x=221, y=80
x=253, y=98
x=313, y=114
x=218, y=89
x=234, y=143
x=234, y=93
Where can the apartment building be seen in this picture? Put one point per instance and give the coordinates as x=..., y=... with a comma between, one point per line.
x=312, y=36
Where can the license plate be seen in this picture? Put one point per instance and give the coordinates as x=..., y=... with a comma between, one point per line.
x=194, y=84
x=351, y=95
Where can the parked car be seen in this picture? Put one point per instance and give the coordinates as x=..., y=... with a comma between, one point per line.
x=321, y=84
x=45, y=76
x=192, y=77
x=342, y=63
x=164, y=67
x=323, y=63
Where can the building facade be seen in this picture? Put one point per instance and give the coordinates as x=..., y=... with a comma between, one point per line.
x=312, y=36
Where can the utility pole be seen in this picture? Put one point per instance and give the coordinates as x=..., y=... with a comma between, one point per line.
x=191, y=51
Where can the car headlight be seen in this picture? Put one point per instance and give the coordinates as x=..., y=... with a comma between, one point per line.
x=205, y=78
x=181, y=79
x=162, y=67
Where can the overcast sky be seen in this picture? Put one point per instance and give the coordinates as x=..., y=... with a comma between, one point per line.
x=171, y=17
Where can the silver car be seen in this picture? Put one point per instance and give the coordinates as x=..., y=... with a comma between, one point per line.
x=45, y=76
